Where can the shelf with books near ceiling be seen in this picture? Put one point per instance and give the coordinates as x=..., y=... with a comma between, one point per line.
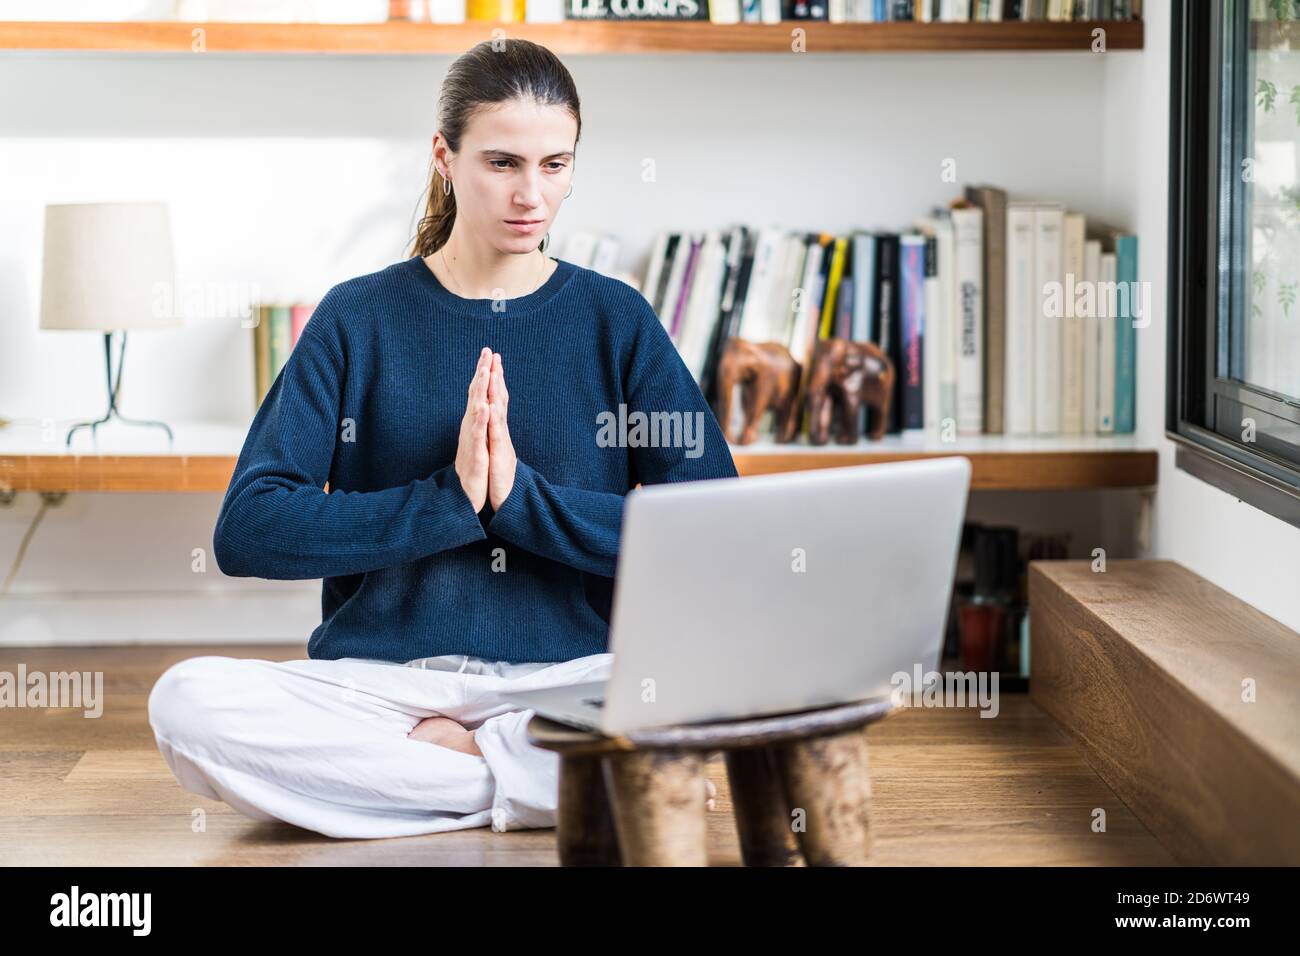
x=568, y=27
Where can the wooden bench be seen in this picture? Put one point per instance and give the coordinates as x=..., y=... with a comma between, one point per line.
x=800, y=784
x=1185, y=700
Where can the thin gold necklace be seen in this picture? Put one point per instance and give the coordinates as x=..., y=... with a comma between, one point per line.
x=447, y=266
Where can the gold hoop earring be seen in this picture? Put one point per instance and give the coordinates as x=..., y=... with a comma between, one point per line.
x=546, y=242
x=570, y=192
x=446, y=186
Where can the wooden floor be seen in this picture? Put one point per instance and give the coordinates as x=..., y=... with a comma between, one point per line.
x=950, y=788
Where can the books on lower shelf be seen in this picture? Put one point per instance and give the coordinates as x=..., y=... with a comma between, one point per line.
x=1000, y=317
x=275, y=332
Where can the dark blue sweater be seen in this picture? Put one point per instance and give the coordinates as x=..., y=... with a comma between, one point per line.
x=371, y=399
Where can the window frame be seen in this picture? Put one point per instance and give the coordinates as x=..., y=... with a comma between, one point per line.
x=1267, y=475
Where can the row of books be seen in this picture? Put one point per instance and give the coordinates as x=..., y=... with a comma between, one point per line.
x=959, y=11
x=999, y=317
x=556, y=11
x=847, y=11
x=275, y=332
x=988, y=11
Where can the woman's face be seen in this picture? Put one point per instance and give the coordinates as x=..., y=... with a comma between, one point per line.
x=514, y=166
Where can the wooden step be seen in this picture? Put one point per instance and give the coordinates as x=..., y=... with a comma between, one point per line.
x=1151, y=668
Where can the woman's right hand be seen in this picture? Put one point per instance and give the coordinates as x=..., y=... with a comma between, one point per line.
x=472, y=451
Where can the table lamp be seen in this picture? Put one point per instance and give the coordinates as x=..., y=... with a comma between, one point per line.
x=108, y=267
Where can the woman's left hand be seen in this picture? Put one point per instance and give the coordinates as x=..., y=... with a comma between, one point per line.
x=501, y=451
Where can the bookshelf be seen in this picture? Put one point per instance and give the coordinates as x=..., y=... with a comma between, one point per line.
x=202, y=459
x=573, y=37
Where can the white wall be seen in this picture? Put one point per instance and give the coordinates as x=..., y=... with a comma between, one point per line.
x=1237, y=546
x=294, y=173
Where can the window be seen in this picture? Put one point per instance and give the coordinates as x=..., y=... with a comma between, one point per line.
x=1234, y=248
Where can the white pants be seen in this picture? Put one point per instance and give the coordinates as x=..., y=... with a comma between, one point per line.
x=322, y=744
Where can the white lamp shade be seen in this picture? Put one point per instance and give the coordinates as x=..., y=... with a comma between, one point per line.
x=108, y=266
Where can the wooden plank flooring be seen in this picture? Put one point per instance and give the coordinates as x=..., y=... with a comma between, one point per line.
x=950, y=788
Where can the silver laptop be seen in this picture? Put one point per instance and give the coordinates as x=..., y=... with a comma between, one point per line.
x=739, y=597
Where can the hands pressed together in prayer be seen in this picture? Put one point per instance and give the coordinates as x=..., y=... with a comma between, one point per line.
x=485, y=464
x=485, y=456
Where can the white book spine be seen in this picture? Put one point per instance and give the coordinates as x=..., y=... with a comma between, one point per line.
x=702, y=306
x=948, y=346
x=1018, y=393
x=1072, y=326
x=1048, y=223
x=1091, y=340
x=754, y=320
x=1106, y=349
x=802, y=341
x=775, y=303
x=768, y=320
x=721, y=11
x=968, y=233
x=783, y=305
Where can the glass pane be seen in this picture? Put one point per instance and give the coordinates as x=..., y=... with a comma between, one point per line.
x=1261, y=122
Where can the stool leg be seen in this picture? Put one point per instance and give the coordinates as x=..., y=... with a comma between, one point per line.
x=658, y=798
x=585, y=825
x=828, y=778
x=762, y=817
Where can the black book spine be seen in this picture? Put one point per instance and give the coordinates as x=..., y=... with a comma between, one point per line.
x=887, y=320
x=912, y=311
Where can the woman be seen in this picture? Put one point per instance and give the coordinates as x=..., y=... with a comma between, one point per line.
x=469, y=538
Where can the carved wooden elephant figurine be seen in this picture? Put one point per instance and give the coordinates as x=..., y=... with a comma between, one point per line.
x=769, y=378
x=845, y=375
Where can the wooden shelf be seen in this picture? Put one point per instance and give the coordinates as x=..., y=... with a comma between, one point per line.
x=598, y=37
x=998, y=462
x=202, y=459
x=123, y=458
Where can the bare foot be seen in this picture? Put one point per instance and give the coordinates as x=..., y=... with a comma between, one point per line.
x=446, y=732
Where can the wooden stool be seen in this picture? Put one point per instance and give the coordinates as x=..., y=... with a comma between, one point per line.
x=799, y=782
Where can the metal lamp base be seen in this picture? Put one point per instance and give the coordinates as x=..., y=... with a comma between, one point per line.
x=112, y=395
